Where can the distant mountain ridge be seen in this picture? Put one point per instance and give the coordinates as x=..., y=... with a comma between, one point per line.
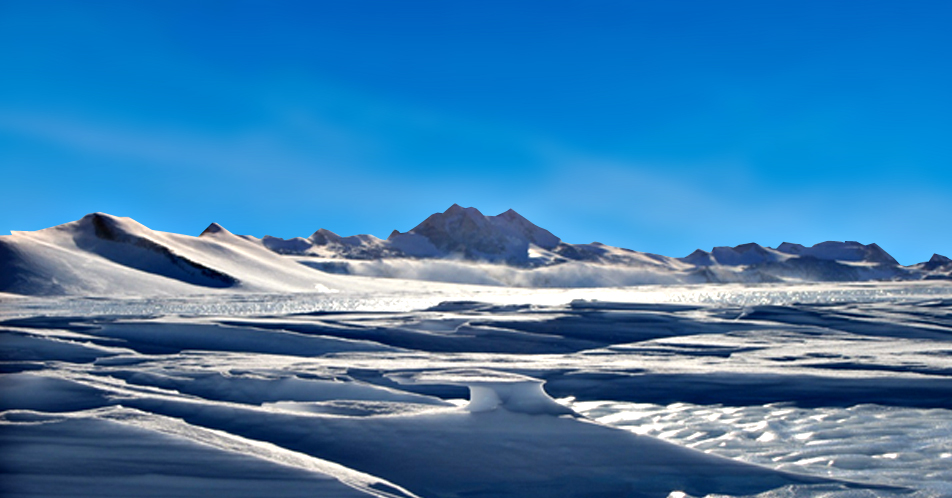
x=103, y=254
x=752, y=254
x=507, y=237
x=466, y=232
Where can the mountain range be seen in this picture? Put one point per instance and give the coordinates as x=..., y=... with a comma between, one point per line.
x=102, y=254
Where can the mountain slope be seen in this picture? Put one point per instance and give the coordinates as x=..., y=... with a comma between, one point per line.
x=107, y=255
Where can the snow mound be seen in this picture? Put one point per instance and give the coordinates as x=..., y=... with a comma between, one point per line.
x=490, y=390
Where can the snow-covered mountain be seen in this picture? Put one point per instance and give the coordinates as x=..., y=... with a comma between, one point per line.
x=937, y=268
x=106, y=255
x=826, y=261
x=459, y=232
x=465, y=234
x=101, y=254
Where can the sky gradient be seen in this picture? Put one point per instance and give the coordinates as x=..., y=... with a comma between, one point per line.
x=656, y=126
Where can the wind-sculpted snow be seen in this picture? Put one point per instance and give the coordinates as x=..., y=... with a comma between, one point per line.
x=491, y=390
x=770, y=392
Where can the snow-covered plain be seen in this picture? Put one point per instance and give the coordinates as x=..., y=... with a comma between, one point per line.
x=724, y=390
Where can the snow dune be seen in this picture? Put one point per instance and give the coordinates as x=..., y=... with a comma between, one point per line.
x=505, y=450
x=582, y=399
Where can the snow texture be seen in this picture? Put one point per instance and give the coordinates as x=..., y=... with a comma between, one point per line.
x=779, y=391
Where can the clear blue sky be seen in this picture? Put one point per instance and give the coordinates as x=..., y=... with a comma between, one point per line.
x=660, y=126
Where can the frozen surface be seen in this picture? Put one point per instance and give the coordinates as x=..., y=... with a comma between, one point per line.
x=902, y=446
x=770, y=391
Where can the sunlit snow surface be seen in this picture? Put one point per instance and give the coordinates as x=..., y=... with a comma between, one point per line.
x=250, y=304
x=363, y=394
x=868, y=443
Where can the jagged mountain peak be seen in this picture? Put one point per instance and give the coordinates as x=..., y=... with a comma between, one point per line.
x=533, y=233
x=466, y=231
x=699, y=258
x=454, y=217
x=939, y=259
x=454, y=213
x=750, y=246
x=511, y=215
x=456, y=208
x=214, y=229
x=324, y=236
x=936, y=262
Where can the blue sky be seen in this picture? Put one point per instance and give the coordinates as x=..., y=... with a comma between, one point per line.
x=657, y=126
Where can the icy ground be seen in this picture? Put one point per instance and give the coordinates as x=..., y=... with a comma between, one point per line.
x=770, y=391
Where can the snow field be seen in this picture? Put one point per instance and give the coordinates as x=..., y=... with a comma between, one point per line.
x=754, y=396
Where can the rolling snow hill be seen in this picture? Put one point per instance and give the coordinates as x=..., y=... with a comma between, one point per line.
x=107, y=255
